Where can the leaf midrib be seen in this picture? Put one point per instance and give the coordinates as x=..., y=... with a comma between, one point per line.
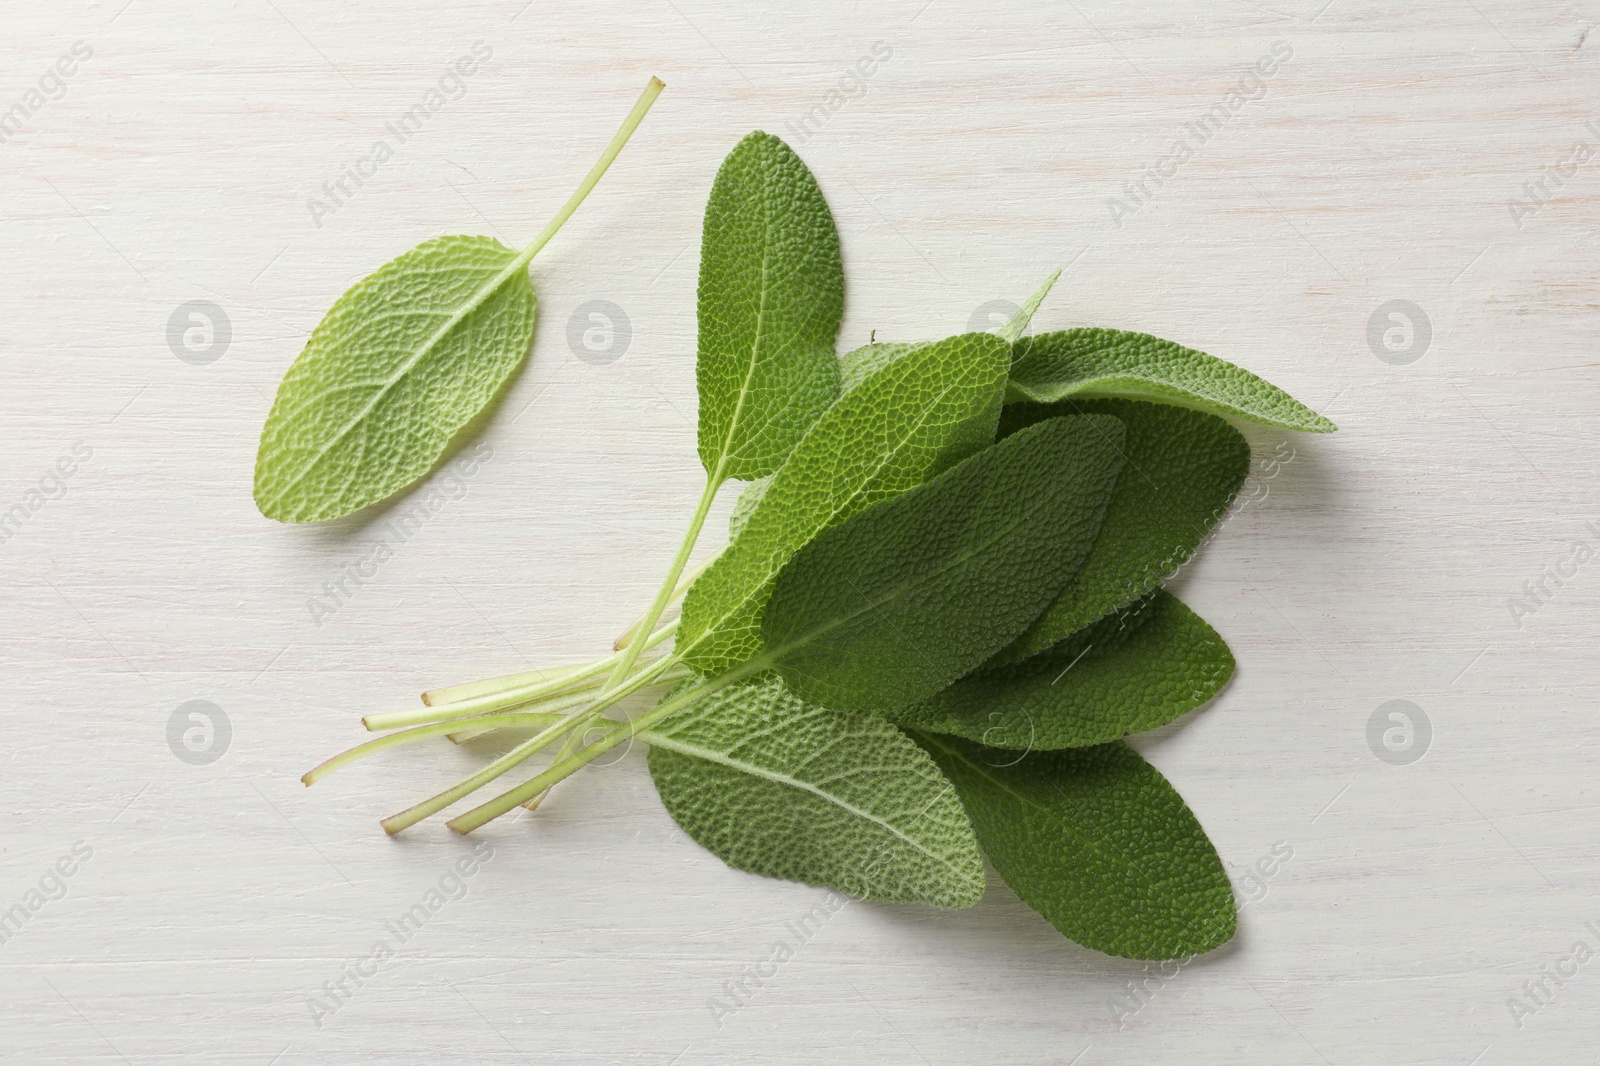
x=711, y=755
x=755, y=343
x=478, y=298
x=1052, y=816
x=899, y=590
x=1132, y=386
x=771, y=572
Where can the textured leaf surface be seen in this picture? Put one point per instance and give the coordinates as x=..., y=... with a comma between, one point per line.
x=1099, y=843
x=779, y=787
x=396, y=367
x=918, y=416
x=1183, y=469
x=1091, y=363
x=745, y=505
x=1018, y=323
x=771, y=296
x=859, y=364
x=1131, y=671
x=895, y=603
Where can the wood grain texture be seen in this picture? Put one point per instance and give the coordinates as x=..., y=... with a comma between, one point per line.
x=1380, y=162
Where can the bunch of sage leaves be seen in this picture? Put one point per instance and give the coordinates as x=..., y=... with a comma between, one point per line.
x=940, y=609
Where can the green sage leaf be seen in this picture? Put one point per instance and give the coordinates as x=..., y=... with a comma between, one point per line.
x=1093, y=363
x=1131, y=671
x=771, y=296
x=1097, y=842
x=398, y=365
x=920, y=415
x=1018, y=323
x=745, y=505
x=774, y=785
x=858, y=364
x=895, y=603
x=1182, y=471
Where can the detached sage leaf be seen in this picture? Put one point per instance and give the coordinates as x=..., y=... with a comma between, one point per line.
x=1090, y=363
x=917, y=417
x=771, y=296
x=897, y=602
x=1097, y=842
x=1182, y=471
x=398, y=365
x=401, y=362
x=1129, y=672
x=774, y=785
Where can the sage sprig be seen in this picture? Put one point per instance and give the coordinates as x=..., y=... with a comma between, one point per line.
x=940, y=609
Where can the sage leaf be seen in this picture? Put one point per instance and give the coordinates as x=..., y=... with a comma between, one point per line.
x=858, y=364
x=746, y=504
x=398, y=365
x=402, y=362
x=1091, y=363
x=1131, y=671
x=1097, y=842
x=1182, y=471
x=900, y=600
x=770, y=299
x=917, y=417
x=771, y=784
x=1017, y=324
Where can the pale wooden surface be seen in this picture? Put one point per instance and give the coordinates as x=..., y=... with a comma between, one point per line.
x=1377, y=166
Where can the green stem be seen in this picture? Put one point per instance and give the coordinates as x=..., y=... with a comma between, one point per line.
x=453, y=712
x=629, y=124
x=677, y=594
x=411, y=736
x=433, y=804
x=565, y=768
x=471, y=690
x=582, y=722
x=569, y=744
x=653, y=674
x=646, y=625
x=511, y=690
x=660, y=677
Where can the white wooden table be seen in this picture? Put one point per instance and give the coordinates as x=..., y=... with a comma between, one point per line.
x=1384, y=159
